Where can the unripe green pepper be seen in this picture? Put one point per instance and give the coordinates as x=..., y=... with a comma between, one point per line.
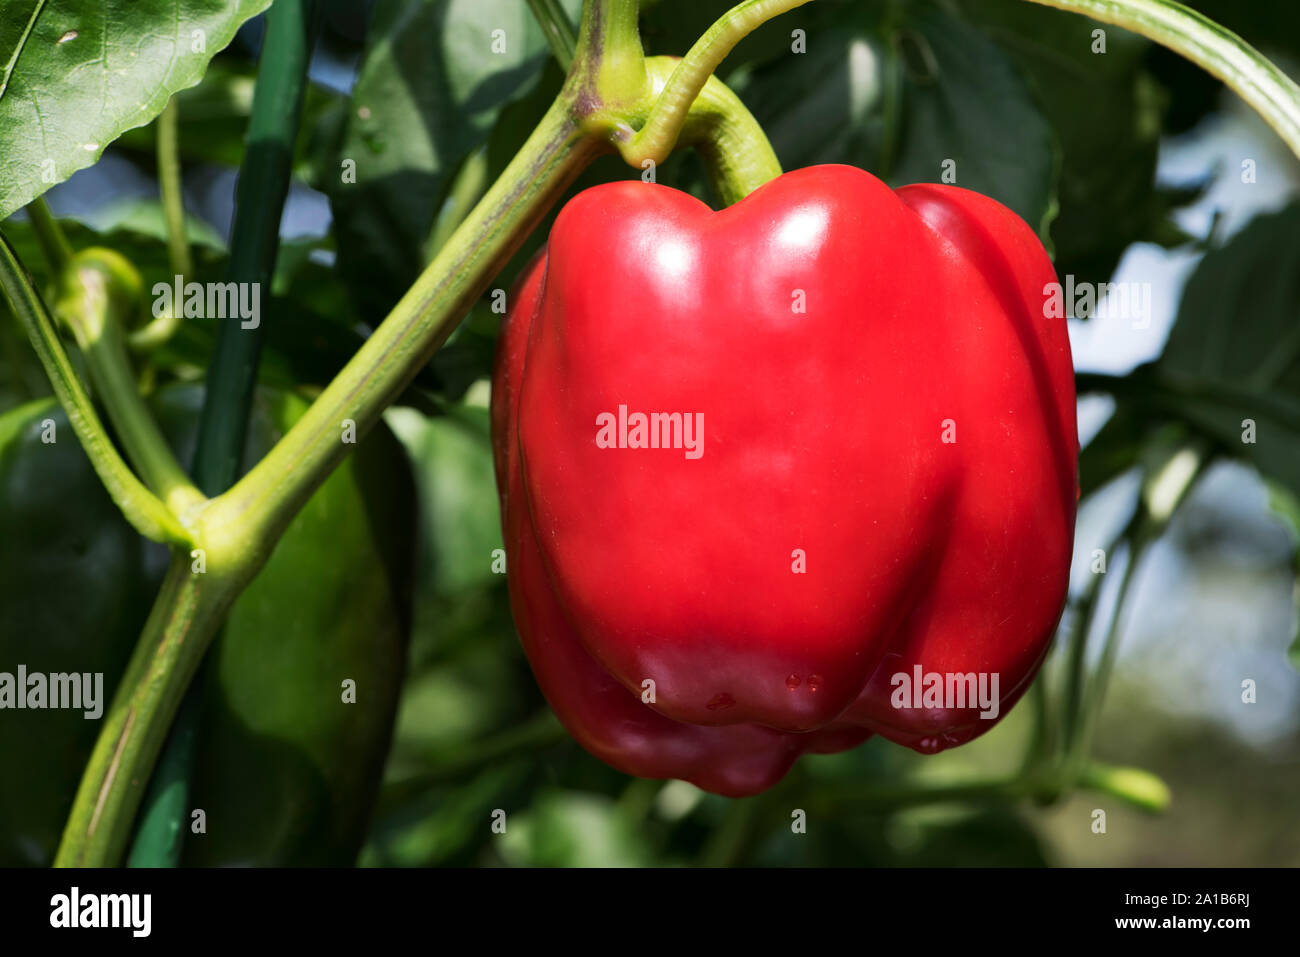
x=287, y=767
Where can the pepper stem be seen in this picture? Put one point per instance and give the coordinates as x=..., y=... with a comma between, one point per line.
x=735, y=150
x=656, y=138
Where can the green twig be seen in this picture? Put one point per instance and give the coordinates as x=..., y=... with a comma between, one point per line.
x=163, y=327
x=170, y=189
x=656, y=138
x=144, y=510
x=1132, y=785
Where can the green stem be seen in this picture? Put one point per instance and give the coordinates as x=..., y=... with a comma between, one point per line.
x=95, y=291
x=732, y=144
x=655, y=140
x=1077, y=656
x=144, y=510
x=169, y=187
x=1089, y=705
x=878, y=798
x=1042, y=741
x=1165, y=487
x=559, y=31
x=163, y=327
x=1223, y=54
x=172, y=644
x=608, y=54
x=54, y=244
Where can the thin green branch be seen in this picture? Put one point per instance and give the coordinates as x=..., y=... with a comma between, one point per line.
x=170, y=190
x=145, y=511
x=1077, y=658
x=1133, y=785
x=1088, y=706
x=655, y=140
x=261, y=504
x=540, y=731
x=735, y=150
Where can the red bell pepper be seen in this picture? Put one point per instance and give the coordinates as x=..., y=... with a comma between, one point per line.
x=782, y=475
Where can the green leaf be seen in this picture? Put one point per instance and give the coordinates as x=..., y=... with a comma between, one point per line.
x=1231, y=366
x=81, y=72
x=964, y=101
x=1239, y=319
x=434, y=77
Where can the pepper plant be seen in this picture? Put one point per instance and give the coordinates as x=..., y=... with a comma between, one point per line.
x=272, y=523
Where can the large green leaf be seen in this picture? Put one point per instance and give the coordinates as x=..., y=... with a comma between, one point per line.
x=79, y=73
x=435, y=75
